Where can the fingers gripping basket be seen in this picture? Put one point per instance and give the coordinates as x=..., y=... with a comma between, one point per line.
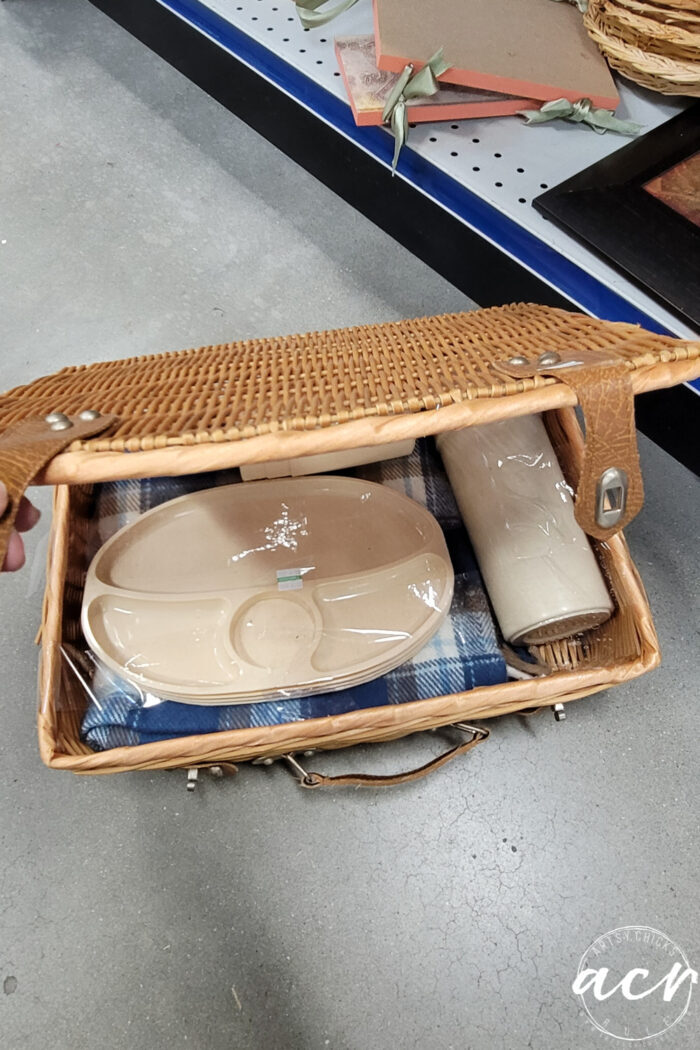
x=262, y=400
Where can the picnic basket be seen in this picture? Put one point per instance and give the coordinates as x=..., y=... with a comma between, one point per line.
x=263, y=399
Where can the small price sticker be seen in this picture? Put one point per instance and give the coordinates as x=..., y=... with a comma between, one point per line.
x=290, y=579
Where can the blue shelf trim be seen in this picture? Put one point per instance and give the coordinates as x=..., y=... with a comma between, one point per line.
x=529, y=250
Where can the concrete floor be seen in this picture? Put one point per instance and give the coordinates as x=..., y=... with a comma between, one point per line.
x=137, y=216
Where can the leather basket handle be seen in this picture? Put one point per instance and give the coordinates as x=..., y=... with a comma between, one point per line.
x=477, y=734
x=25, y=448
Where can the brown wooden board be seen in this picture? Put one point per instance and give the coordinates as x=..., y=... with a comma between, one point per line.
x=533, y=48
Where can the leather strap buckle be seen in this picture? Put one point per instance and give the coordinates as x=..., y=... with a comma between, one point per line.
x=610, y=489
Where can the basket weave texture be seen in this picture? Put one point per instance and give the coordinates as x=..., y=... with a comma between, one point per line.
x=664, y=11
x=658, y=50
x=309, y=382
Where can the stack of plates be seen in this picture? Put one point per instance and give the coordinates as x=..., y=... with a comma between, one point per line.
x=268, y=589
x=656, y=43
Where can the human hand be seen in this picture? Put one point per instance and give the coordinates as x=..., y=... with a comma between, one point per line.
x=27, y=517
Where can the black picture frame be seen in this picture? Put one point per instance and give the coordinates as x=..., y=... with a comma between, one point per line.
x=607, y=208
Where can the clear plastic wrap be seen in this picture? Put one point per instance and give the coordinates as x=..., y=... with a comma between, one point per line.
x=538, y=565
x=244, y=604
x=268, y=589
x=411, y=553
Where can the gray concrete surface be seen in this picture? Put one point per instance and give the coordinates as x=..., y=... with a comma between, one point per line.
x=135, y=216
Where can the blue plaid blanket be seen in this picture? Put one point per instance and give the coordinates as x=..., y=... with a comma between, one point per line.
x=463, y=654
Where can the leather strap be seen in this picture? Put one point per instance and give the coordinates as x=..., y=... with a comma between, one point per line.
x=25, y=448
x=603, y=386
x=314, y=780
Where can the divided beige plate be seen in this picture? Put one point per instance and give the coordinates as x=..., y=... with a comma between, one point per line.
x=264, y=588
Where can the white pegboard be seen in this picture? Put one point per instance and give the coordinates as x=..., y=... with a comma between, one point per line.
x=502, y=160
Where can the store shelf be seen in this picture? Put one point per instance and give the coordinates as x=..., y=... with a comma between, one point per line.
x=467, y=187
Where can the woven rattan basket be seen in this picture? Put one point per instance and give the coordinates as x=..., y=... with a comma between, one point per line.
x=662, y=56
x=269, y=399
x=688, y=16
x=650, y=34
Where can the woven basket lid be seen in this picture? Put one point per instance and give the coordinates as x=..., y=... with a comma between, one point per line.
x=265, y=399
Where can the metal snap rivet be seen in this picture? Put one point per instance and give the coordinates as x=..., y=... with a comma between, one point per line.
x=61, y=424
x=559, y=712
x=56, y=417
x=611, y=497
x=89, y=413
x=549, y=357
x=518, y=360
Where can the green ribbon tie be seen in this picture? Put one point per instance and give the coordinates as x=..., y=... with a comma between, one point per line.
x=411, y=85
x=583, y=111
x=310, y=17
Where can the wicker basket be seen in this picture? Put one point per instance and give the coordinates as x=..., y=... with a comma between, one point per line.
x=269, y=399
x=679, y=16
x=651, y=35
x=652, y=53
